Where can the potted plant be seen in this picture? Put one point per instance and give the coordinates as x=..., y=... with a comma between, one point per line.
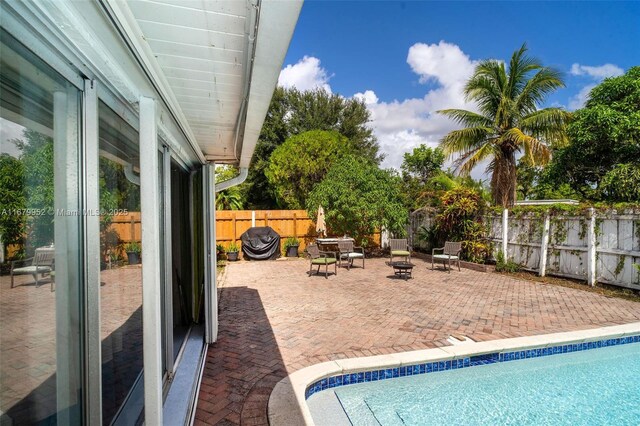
x=133, y=250
x=232, y=251
x=291, y=245
x=220, y=251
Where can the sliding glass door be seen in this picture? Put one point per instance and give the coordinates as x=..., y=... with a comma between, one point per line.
x=41, y=308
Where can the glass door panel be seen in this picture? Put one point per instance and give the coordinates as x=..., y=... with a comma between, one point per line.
x=40, y=233
x=121, y=257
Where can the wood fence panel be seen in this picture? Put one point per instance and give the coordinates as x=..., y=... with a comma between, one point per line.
x=128, y=226
x=231, y=224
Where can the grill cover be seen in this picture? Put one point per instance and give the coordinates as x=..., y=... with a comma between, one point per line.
x=260, y=243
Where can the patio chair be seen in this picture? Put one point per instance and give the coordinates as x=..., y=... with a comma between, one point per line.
x=41, y=263
x=450, y=251
x=346, y=251
x=317, y=257
x=400, y=248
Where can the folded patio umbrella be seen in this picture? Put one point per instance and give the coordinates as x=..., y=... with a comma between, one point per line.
x=321, y=226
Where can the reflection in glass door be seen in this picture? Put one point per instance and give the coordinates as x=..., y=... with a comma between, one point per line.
x=121, y=257
x=40, y=234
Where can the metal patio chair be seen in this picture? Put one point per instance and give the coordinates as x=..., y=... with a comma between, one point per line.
x=400, y=248
x=317, y=257
x=450, y=251
x=347, y=251
x=41, y=263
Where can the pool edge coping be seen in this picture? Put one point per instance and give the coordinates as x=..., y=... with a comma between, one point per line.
x=288, y=403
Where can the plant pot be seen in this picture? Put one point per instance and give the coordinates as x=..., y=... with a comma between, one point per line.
x=232, y=256
x=133, y=257
x=292, y=251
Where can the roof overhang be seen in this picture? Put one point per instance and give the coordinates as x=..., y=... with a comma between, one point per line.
x=214, y=63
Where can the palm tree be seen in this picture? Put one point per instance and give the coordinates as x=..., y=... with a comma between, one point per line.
x=229, y=199
x=508, y=121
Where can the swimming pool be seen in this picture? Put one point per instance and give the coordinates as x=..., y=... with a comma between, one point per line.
x=575, y=386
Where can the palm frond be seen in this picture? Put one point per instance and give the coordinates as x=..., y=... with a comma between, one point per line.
x=466, y=118
x=535, y=151
x=465, y=140
x=548, y=124
x=467, y=162
x=545, y=81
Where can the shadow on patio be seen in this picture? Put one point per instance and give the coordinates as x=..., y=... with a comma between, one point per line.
x=243, y=366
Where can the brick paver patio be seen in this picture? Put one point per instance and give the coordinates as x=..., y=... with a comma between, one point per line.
x=274, y=320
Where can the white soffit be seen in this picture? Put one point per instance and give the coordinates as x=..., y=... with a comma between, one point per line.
x=203, y=51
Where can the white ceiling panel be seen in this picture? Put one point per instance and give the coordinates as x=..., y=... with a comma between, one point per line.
x=188, y=17
x=199, y=51
x=191, y=35
x=230, y=7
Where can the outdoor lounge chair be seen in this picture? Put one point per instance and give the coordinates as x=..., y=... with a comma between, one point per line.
x=317, y=257
x=41, y=263
x=400, y=248
x=450, y=251
x=346, y=251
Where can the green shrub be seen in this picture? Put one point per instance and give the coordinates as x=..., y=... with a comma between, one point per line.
x=233, y=247
x=460, y=219
x=508, y=266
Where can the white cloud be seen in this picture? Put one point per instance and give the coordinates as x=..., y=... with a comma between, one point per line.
x=580, y=98
x=403, y=125
x=306, y=74
x=597, y=72
x=368, y=97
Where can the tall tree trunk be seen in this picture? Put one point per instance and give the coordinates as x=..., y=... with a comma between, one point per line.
x=503, y=180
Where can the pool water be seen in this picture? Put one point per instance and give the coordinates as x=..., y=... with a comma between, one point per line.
x=594, y=387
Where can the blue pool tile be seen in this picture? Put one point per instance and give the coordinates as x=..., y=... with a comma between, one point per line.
x=374, y=375
x=360, y=377
x=396, y=372
x=367, y=376
x=403, y=371
x=346, y=379
x=388, y=373
x=416, y=369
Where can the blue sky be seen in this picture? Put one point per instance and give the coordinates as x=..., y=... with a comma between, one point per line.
x=407, y=59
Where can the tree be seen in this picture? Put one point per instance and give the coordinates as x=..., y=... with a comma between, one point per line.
x=292, y=112
x=622, y=183
x=422, y=163
x=230, y=198
x=603, y=134
x=359, y=198
x=509, y=121
x=12, y=221
x=37, y=162
x=299, y=164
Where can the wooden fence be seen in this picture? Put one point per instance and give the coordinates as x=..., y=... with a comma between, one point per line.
x=231, y=224
x=128, y=226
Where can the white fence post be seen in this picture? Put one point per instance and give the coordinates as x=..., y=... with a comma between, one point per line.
x=591, y=249
x=253, y=218
x=505, y=233
x=544, y=245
